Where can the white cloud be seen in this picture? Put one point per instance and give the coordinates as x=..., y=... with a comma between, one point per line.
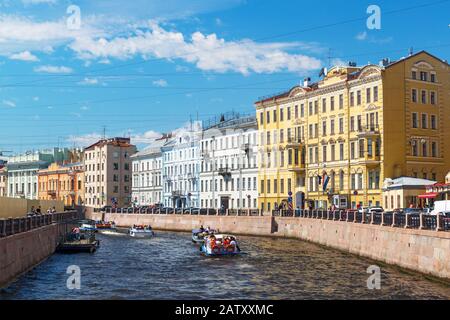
x=36, y=98
x=89, y=81
x=361, y=36
x=85, y=140
x=9, y=103
x=146, y=137
x=24, y=56
x=84, y=108
x=207, y=52
x=53, y=69
x=160, y=83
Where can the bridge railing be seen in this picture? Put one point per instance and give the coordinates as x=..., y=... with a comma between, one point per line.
x=13, y=226
x=391, y=219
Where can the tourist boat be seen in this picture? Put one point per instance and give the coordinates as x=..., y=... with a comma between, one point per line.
x=88, y=227
x=219, y=245
x=101, y=225
x=141, y=232
x=198, y=235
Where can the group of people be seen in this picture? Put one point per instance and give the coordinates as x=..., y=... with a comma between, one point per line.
x=141, y=227
x=225, y=242
x=37, y=211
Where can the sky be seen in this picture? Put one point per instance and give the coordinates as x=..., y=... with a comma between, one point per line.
x=71, y=71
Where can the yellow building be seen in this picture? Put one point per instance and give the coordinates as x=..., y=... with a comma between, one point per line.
x=354, y=128
x=64, y=182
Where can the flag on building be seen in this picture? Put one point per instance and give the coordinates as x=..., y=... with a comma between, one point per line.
x=326, y=179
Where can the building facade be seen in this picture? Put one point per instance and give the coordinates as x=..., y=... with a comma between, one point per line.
x=181, y=168
x=229, y=169
x=23, y=171
x=335, y=141
x=147, y=174
x=3, y=181
x=64, y=182
x=108, y=172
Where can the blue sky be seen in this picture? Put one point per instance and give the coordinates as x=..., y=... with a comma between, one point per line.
x=143, y=67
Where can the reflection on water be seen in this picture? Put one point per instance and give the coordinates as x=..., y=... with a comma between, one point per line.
x=169, y=266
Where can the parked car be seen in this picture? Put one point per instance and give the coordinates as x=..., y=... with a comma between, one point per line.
x=371, y=209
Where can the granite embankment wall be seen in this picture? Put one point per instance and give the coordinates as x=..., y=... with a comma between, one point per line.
x=420, y=250
x=23, y=250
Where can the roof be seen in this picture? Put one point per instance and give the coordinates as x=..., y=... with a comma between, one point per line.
x=351, y=76
x=153, y=148
x=118, y=142
x=409, y=182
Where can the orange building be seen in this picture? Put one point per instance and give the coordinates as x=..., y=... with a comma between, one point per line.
x=63, y=182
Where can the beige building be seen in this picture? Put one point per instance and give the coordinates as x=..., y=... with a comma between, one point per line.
x=403, y=192
x=108, y=172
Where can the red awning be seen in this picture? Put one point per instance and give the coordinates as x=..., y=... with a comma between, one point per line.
x=428, y=196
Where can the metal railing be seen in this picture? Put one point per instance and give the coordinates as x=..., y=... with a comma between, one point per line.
x=13, y=226
x=400, y=220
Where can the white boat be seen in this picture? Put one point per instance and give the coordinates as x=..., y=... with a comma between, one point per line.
x=220, y=245
x=198, y=235
x=141, y=232
x=88, y=227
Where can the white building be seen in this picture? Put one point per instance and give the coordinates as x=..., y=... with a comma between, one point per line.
x=147, y=174
x=23, y=171
x=229, y=169
x=181, y=168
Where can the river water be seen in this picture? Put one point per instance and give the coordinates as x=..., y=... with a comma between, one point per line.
x=170, y=266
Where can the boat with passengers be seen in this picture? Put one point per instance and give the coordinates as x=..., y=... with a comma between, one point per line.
x=220, y=245
x=198, y=235
x=141, y=231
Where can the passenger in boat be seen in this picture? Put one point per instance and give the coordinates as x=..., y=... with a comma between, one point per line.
x=202, y=229
x=226, y=241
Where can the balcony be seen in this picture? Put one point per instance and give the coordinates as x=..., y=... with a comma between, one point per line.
x=293, y=142
x=225, y=172
x=368, y=130
x=296, y=167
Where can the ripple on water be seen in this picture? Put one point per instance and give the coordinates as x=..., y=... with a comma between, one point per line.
x=170, y=266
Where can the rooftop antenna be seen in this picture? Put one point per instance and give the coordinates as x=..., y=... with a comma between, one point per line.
x=411, y=51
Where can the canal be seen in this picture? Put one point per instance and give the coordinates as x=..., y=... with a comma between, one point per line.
x=169, y=266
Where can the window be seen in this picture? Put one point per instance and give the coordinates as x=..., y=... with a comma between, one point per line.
x=375, y=94
x=414, y=75
x=324, y=105
x=332, y=127
x=433, y=122
x=302, y=110
x=414, y=95
x=358, y=97
x=433, y=149
x=414, y=148
x=268, y=186
x=262, y=186
x=274, y=115
x=289, y=113
x=425, y=149
x=316, y=130
x=368, y=95
x=423, y=76
x=341, y=125
x=310, y=109
x=324, y=128
x=341, y=151
x=414, y=120
x=341, y=101
x=352, y=123
x=324, y=153
x=361, y=148
x=352, y=99
x=423, y=96
x=268, y=117
x=352, y=150
x=333, y=152
x=433, y=77
x=281, y=114
x=296, y=112
x=332, y=103
x=424, y=121
x=316, y=107
x=261, y=118
x=433, y=97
